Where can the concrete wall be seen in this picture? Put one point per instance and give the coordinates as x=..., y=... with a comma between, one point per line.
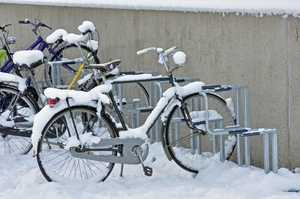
x=261, y=52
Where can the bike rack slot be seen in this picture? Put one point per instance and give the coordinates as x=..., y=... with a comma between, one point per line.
x=244, y=131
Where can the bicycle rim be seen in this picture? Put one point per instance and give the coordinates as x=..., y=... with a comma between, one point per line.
x=53, y=156
x=133, y=101
x=20, y=117
x=63, y=76
x=193, y=150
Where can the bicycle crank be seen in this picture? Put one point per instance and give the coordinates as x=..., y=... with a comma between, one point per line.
x=138, y=151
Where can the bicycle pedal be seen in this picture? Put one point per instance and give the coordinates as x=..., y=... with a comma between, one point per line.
x=148, y=171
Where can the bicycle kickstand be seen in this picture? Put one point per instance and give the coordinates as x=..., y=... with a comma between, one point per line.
x=147, y=170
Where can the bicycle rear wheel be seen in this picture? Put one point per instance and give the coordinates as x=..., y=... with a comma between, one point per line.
x=54, y=158
x=190, y=149
x=62, y=76
x=133, y=101
x=16, y=116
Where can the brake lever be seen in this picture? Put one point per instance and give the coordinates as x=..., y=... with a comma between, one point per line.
x=44, y=25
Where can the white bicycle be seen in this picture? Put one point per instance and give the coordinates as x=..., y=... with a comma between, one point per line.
x=76, y=139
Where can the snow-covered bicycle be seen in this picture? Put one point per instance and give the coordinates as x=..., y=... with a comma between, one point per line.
x=75, y=138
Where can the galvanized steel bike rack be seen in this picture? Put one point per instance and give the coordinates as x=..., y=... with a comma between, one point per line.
x=243, y=131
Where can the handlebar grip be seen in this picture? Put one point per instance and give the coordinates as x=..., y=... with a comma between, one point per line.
x=170, y=50
x=3, y=26
x=142, y=51
x=22, y=22
x=86, y=32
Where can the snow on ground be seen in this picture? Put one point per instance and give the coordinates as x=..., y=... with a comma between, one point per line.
x=20, y=177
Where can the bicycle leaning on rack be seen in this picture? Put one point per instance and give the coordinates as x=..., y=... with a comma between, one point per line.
x=56, y=46
x=75, y=138
x=17, y=105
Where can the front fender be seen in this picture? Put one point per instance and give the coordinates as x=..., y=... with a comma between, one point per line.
x=164, y=143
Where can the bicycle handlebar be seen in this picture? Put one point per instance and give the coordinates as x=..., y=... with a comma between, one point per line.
x=86, y=32
x=4, y=26
x=158, y=50
x=145, y=50
x=163, y=56
x=26, y=21
x=23, y=21
x=171, y=50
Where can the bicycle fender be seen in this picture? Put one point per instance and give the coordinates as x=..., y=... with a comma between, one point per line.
x=164, y=143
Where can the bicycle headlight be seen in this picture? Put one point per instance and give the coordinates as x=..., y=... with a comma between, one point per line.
x=179, y=58
x=11, y=40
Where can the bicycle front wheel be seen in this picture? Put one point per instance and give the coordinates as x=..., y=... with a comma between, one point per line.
x=53, y=154
x=190, y=149
x=62, y=76
x=16, y=117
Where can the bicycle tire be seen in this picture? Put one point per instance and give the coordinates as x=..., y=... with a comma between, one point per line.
x=25, y=108
x=69, y=51
x=135, y=99
x=55, y=160
x=192, y=151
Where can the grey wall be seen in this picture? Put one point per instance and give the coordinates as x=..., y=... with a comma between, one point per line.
x=261, y=52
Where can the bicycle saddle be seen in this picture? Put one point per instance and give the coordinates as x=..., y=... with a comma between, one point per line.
x=28, y=58
x=106, y=67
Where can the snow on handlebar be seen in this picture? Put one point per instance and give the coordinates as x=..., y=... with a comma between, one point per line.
x=179, y=57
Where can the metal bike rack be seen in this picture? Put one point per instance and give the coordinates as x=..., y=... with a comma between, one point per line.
x=56, y=74
x=242, y=129
x=243, y=132
x=156, y=93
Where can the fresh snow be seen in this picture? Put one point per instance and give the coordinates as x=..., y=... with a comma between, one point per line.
x=254, y=7
x=215, y=179
x=27, y=57
x=57, y=34
x=20, y=176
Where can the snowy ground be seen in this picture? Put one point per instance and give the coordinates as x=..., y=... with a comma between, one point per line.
x=20, y=177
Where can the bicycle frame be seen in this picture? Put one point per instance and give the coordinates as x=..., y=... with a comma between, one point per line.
x=172, y=97
x=42, y=45
x=39, y=43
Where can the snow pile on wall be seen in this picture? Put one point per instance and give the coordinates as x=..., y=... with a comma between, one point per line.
x=258, y=8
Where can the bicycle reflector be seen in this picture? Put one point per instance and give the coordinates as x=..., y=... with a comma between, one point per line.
x=52, y=101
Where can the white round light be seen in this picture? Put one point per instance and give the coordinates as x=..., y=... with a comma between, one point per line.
x=179, y=58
